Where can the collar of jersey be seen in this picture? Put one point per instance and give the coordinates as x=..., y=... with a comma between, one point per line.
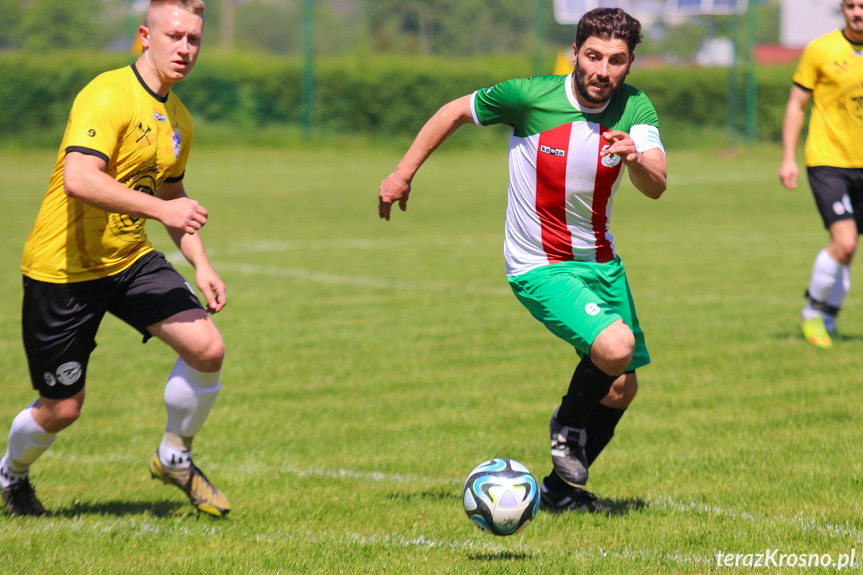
x=147, y=88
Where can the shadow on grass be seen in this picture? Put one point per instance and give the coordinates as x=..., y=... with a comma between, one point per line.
x=619, y=507
x=428, y=494
x=499, y=556
x=837, y=337
x=120, y=508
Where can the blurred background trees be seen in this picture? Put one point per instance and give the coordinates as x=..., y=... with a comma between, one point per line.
x=450, y=28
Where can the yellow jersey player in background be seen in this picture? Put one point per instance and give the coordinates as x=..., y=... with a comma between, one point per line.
x=121, y=162
x=830, y=73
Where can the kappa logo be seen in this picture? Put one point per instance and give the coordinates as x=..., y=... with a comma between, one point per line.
x=591, y=309
x=69, y=372
x=552, y=151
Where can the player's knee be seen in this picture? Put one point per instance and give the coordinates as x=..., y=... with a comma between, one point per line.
x=207, y=356
x=55, y=415
x=613, y=349
x=843, y=244
x=845, y=250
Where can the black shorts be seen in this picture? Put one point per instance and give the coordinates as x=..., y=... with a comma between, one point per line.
x=838, y=193
x=59, y=321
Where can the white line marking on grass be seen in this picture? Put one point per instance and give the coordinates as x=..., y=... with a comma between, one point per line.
x=359, y=281
x=704, y=178
x=355, y=474
x=832, y=530
x=662, y=502
x=244, y=247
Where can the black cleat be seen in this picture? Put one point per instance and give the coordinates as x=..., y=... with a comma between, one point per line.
x=20, y=499
x=567, y=452
x=571, y=499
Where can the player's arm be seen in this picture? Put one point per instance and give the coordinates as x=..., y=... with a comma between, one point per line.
x=192, y=248
x=647, y=170
x=84, y=179
x=397, y=186
x=792, y=124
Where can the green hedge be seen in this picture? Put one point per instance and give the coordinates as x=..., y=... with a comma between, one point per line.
x=378, y=97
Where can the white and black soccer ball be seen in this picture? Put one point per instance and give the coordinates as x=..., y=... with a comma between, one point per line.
x=500, y=496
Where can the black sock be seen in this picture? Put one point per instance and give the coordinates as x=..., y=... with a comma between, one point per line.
x=600, y=429
x=555, y=483
x=589, y=385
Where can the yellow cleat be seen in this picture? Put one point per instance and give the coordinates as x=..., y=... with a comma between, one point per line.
x=815, y=333
x=203, y=494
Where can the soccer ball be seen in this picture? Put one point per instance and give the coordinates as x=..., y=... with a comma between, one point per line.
x=500, y=496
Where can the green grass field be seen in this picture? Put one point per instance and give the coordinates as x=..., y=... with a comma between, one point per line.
x=372, y=365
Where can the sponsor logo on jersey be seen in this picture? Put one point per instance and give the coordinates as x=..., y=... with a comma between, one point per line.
x=160, y=117
x=591, y=309
x=91, y=132
x=69, y=372
x=852, y=103
x=553, y=151
x=175, y=138
x=145, y=132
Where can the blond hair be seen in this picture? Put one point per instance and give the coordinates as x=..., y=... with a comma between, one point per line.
x=195, y=7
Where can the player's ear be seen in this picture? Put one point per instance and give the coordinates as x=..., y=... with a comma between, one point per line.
x=574, y=54
x=144, y=35
x=629, y=66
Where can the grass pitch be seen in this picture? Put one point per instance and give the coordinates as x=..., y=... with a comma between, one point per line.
x=372, y=365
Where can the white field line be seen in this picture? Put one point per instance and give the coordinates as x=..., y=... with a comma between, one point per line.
x=660, y=502
x=148, y=527
x=707, y=178
x=358, y=281
x=382, y=283
x=653, y=501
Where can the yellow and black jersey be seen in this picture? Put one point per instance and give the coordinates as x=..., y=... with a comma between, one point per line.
x=145, y=141
x=831, y=68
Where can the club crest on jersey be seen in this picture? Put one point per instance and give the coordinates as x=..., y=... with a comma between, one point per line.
x=175, y=138
x=610, y=160
x=552, y=151
x=69, y=372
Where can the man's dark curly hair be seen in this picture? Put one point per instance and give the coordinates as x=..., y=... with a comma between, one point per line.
x=608, y=24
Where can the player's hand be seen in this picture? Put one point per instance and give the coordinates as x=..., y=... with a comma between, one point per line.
x=619, y=143
x=788, y=173
x=213, y=288
x=394, y=188
x=184, y=214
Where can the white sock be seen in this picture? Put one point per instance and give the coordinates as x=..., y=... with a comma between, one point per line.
x=840, y=288
x=837, y=298
x=825, y=275
x=7, y=476
x=174, y=458
x=27, y=441
x=189, y=397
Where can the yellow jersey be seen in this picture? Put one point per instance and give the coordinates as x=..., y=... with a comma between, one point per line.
x=831, y=68
x=145, y=141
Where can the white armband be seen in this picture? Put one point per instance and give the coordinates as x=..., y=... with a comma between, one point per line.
x=646, y=137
